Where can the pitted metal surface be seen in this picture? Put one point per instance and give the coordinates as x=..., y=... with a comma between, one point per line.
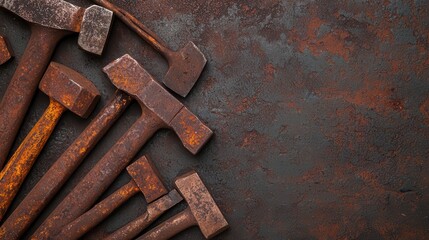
x=320, y=112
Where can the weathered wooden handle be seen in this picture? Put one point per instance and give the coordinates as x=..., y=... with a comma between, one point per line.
x=19, y=165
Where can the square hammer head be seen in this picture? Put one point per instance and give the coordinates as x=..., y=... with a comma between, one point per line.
x=71, y=89
x=129, y=76
x=206, y=212
x=146, y=176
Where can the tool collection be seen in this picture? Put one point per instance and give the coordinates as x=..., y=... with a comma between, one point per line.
x=79, y=211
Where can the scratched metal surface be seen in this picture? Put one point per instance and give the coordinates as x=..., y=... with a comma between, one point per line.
x=320, y=111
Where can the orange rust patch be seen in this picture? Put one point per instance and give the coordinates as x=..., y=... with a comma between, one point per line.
x=333, y=42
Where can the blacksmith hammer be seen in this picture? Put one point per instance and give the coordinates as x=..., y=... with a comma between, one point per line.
x=66, y=89
x=159, y=110
x=145, y=179
x=50, y=21
x=202, y=211
x=6, y=52
x=185, y=65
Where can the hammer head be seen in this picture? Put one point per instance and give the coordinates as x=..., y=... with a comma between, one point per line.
x=127, y=75
x=185, y=67
x=146, y=176
x=6, y=52
x=93, y=23
x=202, y=205
x=69, y=88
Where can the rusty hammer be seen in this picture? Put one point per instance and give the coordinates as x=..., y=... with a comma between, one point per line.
x=6, y=52
x=202, y=211
x=185, y=65
x=66, y=89
x=50, y=21
x=154, y=211
x=145, y=179
x=159, y=110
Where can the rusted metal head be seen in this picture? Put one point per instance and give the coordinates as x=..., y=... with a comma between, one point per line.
x=202, y=205
x=93, y=23
x=95, y=29
x=6, y=52
x=185, y=67
x=146, y=176
x=127, y=75
x=70, y=88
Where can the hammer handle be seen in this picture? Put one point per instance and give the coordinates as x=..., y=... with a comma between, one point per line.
x=23, y=159
x=41, y=194
x=17, y=98
x=171, y=227
x=98, y=213
x=138, y=27
x=101, y=176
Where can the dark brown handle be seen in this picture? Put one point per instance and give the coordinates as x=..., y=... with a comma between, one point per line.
x=33, y=204
x=171, y=227
x=23, y=159
x=98, y=213
x=107, y=169
x=23, y=85
x=138, y=27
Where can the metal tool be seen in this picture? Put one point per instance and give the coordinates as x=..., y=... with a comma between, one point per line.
x=159, y=110
x=185, y=65
x=66, y=89
x=6, y=52
x=202, y=211
x=154, y=211
x=145, y=179
x=50, y=21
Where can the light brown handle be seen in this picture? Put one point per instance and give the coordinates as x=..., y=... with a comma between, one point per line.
x=23, y=159
x=17, y=98
x=171, y=227
x=98, y=213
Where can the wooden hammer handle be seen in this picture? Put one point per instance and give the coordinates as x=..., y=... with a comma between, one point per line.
x=17, y=98
x=19, y=165
x=171, y=227
x=98, y=213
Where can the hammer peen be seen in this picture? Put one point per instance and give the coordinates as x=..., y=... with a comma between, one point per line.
x=66, y=89
x=50, y=21
x=159, y=110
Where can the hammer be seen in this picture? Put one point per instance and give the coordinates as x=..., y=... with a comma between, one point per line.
x=159, y=110
x=6, y=52
x=50, y=21
x=202, y=211
x=145, y=179
x=185, y=65
x=66, y=89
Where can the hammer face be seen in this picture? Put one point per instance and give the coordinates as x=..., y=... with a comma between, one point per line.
x=57, y=14
x=147, y=178
x=185, y=68
x=207, y=214
x=6, y=52
x=69, y=88
x=95, y=29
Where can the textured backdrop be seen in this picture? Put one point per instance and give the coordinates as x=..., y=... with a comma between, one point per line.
x=320, y=111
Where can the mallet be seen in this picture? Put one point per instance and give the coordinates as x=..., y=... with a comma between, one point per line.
x=202, y=211
x=66, y=89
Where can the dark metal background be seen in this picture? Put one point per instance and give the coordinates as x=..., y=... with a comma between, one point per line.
x=320, y=111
